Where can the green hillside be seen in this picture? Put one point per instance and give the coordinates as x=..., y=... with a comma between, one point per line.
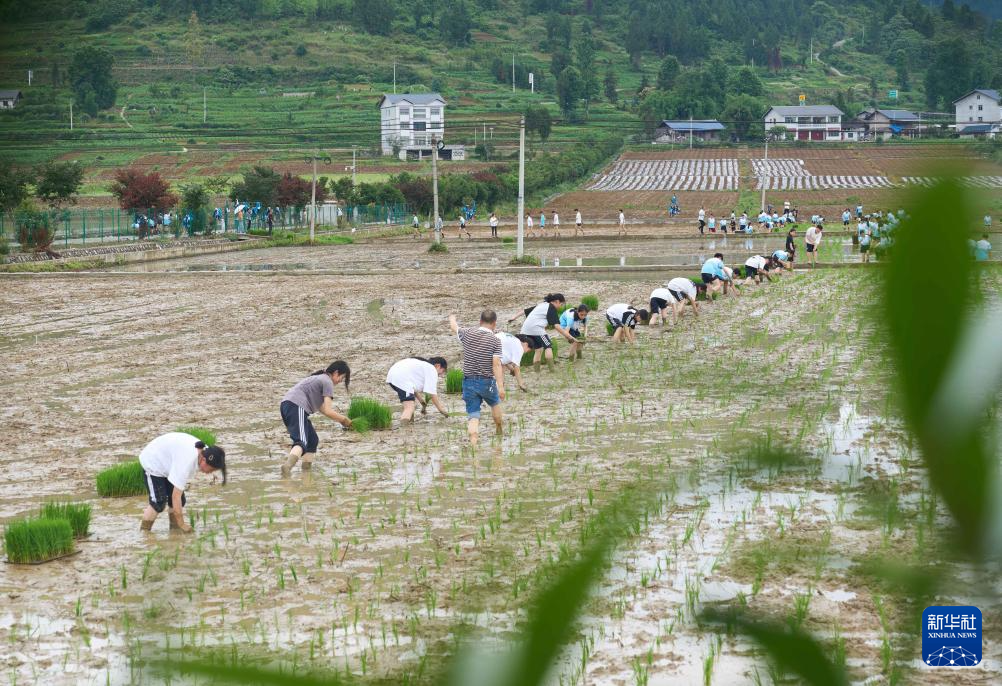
x=280, y=76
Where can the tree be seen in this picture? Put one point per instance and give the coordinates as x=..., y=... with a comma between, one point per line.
x=13, y=186
x=195, y=201
x=560, y=59
x=91, y=79
x=743, y=116
x=293, y=191
x=456, y=23
x=668, y=72
x=375, y=16
x=138, y=191
x=950, y=72
x=34, y=228
x=747, y=82
x=610, y=86
x=260, y=184
x=59, y=182
x=570, y=89
x=537, y=120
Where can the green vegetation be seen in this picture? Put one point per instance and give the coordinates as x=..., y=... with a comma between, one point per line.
x=525, y=260
x=37, y=540
x=77, y=514
x=591, y=302
x=204, y=435
x=454, y=381
x=123, y=479
x=360, y=425
x=527, y=356
x=376, y=414
x=438, y=248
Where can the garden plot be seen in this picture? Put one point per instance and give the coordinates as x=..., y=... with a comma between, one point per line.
x=368, y=564
x=968, y=181
x=791, y=174
x=669, y=174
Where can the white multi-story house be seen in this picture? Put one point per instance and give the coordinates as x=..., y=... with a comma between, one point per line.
x=806, y=122
x=409, y=122
x=978, y=111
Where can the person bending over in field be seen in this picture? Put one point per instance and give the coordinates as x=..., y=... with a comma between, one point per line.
x=537, y=318
x=756, y=267
x=313, y=394
x=682, y=290
x=661, y=302
x=715, y=277
x=783, y=258
x=483, y=375
x=512, y=349
x=414, y=377
x=169, y=461
x=575, y=320
x=624, y=319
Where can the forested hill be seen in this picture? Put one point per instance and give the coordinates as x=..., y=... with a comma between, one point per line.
x=653, y=58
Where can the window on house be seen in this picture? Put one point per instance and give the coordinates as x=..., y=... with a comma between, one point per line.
x=419, y=126
x=790, y=120
x=405, y=111
x=405, y=126
x=981, y=118
x=435, y=125
x=980, y=107
x=419, y=112
x=420, y=140
x=436, y=111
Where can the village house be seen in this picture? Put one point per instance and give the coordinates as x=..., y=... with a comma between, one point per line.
x=979, y=113
x=885, y=123
x=9, y=99
x=679, y=131
x=410, y=122
x=806, y=122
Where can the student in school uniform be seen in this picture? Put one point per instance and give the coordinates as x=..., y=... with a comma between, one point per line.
x=812, y=239
x=513, y=347
x=622, y=223
x=575, y=321
x=791, y=247
x=556, y=224
x=865, y=241
x=783, y=258
x=528, y=225
x=493, y=221
x=542, y=223
x=313, y=394
x=414, y=377
x=711, y=223
x=683, y=290
x=756, y=267
x=715, y=277
x=169, y=462
x=662, y=301
x=701, y=220
x=537, y=319
x=624, y=319
x=578, y=223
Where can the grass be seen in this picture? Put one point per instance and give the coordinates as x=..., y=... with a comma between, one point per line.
x=527, y=356
x=37, y=540
x=123, y=479
x=591, y=301
x=201, y=433
x=44, y=266
x=438, y=248
x=376, y=414
x=454, y=381
x=525, y=260
x=77, y=514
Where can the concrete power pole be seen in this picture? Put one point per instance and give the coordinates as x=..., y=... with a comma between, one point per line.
x=520, y=246
x=353, y=163
x=434, y=189
x=765, y=171
x=313, y=192
x=513, y=72
x=205, y=109
x=71, y=115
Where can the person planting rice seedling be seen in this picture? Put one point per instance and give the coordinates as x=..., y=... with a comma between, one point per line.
x=483, y=376
x=756, y=267
x=783, y=258
x=513, y=347
x=661, y=302
x=623, y=319
x=791, y=247
x=682, y=290
x=715, y=277
x=313, y=394
x=537, y=319
x=575, y=321
x=865, y=240
x=414, y=377
x=169, y=461
x=812, y=239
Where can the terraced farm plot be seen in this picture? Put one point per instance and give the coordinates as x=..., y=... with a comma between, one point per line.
x=674, y=174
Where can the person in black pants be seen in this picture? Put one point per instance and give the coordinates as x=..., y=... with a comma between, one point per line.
x=791, y=246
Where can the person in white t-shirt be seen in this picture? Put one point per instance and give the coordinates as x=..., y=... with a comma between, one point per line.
x=661, y=302
x=538, y=318
x=622, y=223
x=528, y=225
x=623, y=319
x=756, y=267
x=701, y=219
x=414, y=377
x=556, y=223
x=812, y=239
x=493, y=221
x=169, y=462
x=577, y=222
x=513, y=347
x=683, y=290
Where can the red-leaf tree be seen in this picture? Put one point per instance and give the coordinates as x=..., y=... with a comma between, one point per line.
x=136, y=190
x=296, y=192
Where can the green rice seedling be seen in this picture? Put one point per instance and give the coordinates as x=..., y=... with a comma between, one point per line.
x=123, y=479
x=77, y=514
x=527, y=356
x=591, y=301
x=201, y=433
x=438, y=248
x=360, y=425
x=37, y=540
x=376, y=413
x=454, y=381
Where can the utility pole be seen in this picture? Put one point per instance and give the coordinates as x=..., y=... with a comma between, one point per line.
x=434, y=189
x=394, y=77
x=520, y=246
x=71, y=115
x=765, y=172
x=313, y=192
x=353, y=165
x=513, y=72
x=690, y=132
x=811, y=49
x=205, y=110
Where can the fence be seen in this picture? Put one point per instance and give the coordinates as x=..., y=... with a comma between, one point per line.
x=82, y=227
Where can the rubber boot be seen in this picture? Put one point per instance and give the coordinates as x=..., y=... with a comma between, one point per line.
x=146, y=525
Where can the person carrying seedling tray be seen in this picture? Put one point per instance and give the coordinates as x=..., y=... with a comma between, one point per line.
x=169, y=461
x=575, y=320
x=537, y=318
x=412, y=378
x=313, y=394
x=512, y=349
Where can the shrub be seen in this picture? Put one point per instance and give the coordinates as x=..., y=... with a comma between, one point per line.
x=527, y=260
x=37, y=540
x=438, y=247
x=527, y=356
x=34, y=227
x=508, y=240
x=77, y=514
x=201, y=433
x=591, y=301
x=360, y=425
x=454, y=381
x=376, y=414
x=125, y=478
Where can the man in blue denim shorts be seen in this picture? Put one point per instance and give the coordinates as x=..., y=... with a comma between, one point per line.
x=483, y=375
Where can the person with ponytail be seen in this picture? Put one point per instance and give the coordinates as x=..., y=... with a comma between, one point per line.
x=537, y=319
x=313, y=394
x=169, y=461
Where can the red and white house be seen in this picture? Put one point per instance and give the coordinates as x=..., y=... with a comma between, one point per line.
x=817, y=123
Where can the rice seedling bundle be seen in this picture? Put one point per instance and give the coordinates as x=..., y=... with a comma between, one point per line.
x=201, y=433
x=77, y=514
x=454, y=381
x=125, y=478
x=527, y=356
x=360, y=425
x=37, y=540
x=378, y=415
x=591, y=301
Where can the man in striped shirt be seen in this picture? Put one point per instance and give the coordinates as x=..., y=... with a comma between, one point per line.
x=483, y=375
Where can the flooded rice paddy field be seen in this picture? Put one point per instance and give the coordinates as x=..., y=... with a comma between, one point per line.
x=400, y=541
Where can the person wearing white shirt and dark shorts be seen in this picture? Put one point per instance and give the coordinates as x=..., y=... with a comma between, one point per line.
x=169, y=461
x=812, y=239
x=661, y=301
x=513, y=347
x=414, y=377
x=537, y=319
x=683, y=290
x=756, y=267
x=623, y=319
x=577, y=222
